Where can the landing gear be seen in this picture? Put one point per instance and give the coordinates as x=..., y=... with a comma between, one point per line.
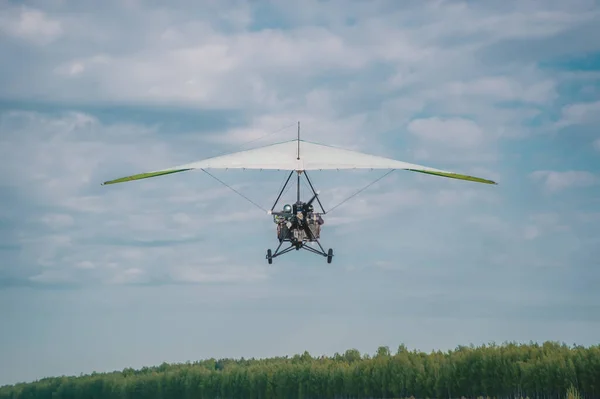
x=297, y=247
x=300, y=225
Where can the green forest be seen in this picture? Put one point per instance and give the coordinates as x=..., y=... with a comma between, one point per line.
x=541, y=371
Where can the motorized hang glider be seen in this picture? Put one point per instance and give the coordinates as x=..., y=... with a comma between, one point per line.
x=299, y=224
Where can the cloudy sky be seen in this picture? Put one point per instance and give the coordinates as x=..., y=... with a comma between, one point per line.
x=172, y=269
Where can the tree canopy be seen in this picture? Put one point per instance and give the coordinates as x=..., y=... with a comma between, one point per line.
x=538, y=371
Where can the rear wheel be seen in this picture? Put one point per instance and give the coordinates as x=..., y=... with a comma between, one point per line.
x=269, y=258
x=329, y=255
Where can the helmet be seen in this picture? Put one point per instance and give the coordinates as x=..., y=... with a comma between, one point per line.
x=287, y=208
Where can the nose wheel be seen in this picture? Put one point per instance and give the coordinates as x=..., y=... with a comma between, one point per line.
x=329, y=255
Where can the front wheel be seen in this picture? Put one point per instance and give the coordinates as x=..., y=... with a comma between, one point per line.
x=269, y=258
x=329, y=255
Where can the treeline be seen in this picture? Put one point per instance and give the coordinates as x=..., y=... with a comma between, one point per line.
x=546, y=371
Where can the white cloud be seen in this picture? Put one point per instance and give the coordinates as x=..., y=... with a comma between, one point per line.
x=124, y=219
x=72, y=69
x=273, y=68
x=491, y=223
x=86, y=264
x=587, y=217
x=354, y=132
x=355, y=74
x=539, y=224
x=534, y=226
x=218, y=270
x=368, y=205
x=264, y=127
x=455, y=197
x=397, y=197
x=498, y=88
x=30, y=24
x=557, y=181
x=128, y=276
x=71, y=153
x=57, y=220
x=449, y=132
x=580, y=113
x=317, y=71
x=545, y=219
x=92, y=236
x=54, y=277
x=530, y=232
x=452, y=140
x=243, y=68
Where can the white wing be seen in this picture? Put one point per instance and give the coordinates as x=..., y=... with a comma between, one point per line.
x=299, y=155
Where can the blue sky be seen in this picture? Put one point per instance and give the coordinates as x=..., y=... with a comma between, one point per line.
x=173, y=269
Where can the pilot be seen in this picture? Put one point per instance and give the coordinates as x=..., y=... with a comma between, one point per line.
x=281, y=218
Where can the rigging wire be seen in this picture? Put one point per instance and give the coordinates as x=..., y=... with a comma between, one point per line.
x=287, y=189
x=310, y=189
x=257, y=139
x=263, y=209
x=282, y=184
x=244, y=144
x=234, y=190
x=268, y=134
x=306, y=186
x=280, y=189
x=361, y=190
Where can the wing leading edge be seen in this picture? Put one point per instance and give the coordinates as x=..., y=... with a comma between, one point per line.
x=313, y=156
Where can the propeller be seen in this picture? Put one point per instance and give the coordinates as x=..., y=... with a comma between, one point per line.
x=313, y=198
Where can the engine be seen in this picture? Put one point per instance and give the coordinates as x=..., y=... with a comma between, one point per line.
x=287, y=228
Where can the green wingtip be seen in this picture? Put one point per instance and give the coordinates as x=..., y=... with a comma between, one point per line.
x=142, y=176
x=456, y=176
